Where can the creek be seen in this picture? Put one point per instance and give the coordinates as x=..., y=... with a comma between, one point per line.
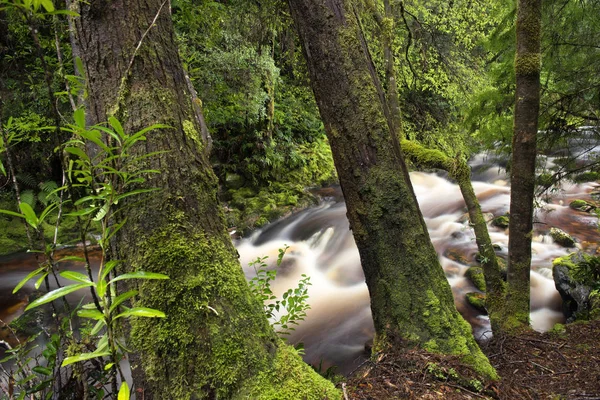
x=339, y=324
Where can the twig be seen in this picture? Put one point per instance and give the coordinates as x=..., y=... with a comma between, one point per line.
x=542, y=367
x=466, y=390
x=344, y=391
x=143, y=37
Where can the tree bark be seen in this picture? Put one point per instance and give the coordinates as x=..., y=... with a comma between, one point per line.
x=411, y=300
x=215, y=341
x=460, y=171
x=527, y=68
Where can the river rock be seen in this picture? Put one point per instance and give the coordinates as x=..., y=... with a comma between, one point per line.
x=477, y=300
x=582, y=205
x=562, y=238
x=475, y=275
x=234, y=181
x=465, y=217
x=575, y=295
x=457, y=255
x=501, y=221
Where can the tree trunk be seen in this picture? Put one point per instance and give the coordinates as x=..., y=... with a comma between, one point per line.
x=527, y=68
x=411, y=300
x=460, y=171
x=215, y=341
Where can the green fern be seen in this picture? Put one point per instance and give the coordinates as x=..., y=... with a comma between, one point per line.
x=28, y=197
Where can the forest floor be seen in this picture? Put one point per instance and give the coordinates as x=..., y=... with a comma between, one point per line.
x=533, y=365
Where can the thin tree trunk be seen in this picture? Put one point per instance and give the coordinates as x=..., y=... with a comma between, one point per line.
x=460, y=171
x=527, y=68
x=411, y=300
x=215, y=341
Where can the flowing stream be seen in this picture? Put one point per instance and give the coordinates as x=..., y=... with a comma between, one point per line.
x=339, y=324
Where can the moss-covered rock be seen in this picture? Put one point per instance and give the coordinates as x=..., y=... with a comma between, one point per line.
x=561, y=237
x=570, y=273
x=477, y=300
x=457, y=255
x=475, y=275
x=582, y=205
x=501, y=221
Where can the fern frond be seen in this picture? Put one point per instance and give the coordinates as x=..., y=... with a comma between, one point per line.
x=28, y=197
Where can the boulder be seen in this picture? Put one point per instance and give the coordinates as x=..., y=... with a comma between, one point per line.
x=562, y=238
x=501, y=221
x=574, y=293
x=477, y=300
x=475, y=275
x=582, y=205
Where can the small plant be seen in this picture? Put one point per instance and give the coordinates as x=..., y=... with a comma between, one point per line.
x=587, y=271
x=102, y=183
x=294, y=301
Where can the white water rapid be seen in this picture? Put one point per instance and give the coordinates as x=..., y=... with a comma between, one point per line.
x=321, y=246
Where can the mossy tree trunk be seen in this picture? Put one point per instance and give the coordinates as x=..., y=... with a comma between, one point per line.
x=459, y=170
x=522, y=176
x=215, y=341
x=411, y=300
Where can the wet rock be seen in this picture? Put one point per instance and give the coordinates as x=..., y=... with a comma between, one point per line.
x=475, y=275
x=582, y=205
x=562, y=238
x=457, y=255
x=574, y=293
x=234, y=181
x=501, y=221
x=477, y=300
x=465, y=217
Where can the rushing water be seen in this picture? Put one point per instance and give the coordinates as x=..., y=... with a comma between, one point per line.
x=321, y=245
x=339, y=324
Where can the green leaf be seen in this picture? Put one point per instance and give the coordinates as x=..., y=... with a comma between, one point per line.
x=82, y=212
x=55, y=294
x=113, y=229
x=30, y=216
x=139, y=135
x=109, y=266
x=12, y=213
x=124, y=392
x=134, y=192
x=79, y=114
x=141, y=312
x=121, y=298
x=75, y=276
x=109, y=132
x=101, y=288
x=47, y=211
x=2, y=168
x=83, y=357
x=42, y=370
x=47, y=4
x=64, y=12
x=79, y=65
x=140, y=275
x=26, y=279
x=102, y=343
x=91, y=314
x=117, y=126
x=72, y=258
x=97, y=327
x=102, y=212
x=38, y=283
x=108, y=366
x=77, y=152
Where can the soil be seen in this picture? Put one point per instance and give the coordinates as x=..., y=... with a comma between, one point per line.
x=563, y=365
